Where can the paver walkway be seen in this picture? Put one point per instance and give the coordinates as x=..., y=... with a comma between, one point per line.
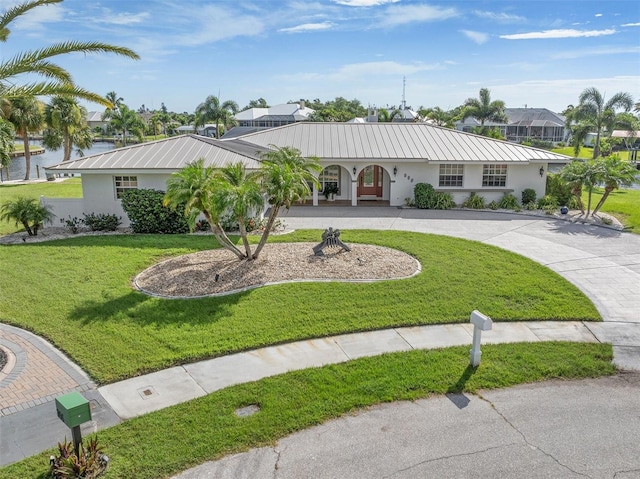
x=603, y=263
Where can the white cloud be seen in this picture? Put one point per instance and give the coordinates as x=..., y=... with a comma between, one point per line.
x=121, y=18
x=561, y=33
x=563, y=55
x=598, y=14
x=499, y=17
x=363, y=3
x=307, y=27
x=35, y=18
x=400, y=15
x=631, y=25
x=477, y=37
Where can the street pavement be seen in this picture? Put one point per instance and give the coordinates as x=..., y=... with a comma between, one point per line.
x=603, y=263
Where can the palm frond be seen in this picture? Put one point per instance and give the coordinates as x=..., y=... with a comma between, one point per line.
x=12, y=13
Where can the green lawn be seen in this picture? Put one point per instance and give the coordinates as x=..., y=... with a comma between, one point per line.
x=207, y=428
x=586, y=153
x=624, y=204
x=78, y=294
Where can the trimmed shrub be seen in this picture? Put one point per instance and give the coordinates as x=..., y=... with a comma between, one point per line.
x=528, y=196
x=475, y=202
x=425, y=195
x=493, y=205
x=508, y=202
x=444, y=201
x=102, y=221
x=147, y=214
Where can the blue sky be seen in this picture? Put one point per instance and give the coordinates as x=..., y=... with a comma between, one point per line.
x=537, y=53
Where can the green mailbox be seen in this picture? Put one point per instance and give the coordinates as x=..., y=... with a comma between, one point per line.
x=73, y=409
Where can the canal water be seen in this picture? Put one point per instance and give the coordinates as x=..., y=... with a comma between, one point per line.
x=17, y=166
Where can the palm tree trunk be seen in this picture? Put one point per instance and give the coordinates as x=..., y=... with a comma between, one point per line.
x=272, y=219
x=224, y=241
x=596, y=148
x=607, y=191
x=67, y=146
x=27, y=155
x=577, y=192
x=590, y=190
x=243, y=235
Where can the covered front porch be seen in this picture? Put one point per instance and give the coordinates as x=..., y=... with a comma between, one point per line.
x=358, y=185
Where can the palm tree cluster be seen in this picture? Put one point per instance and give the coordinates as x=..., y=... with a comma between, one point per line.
x=19, y=102
x=283, y=179
x=211, y=110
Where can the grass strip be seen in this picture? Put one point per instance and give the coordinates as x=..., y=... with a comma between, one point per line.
x=77, y=293
x=207, y=428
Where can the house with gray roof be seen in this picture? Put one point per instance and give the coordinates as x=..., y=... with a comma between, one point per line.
x=273, y=116
x=372, y=162
x=525, y=124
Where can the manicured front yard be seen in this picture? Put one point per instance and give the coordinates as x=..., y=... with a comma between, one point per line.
x=78, y=294
x=163, y=443
x=624, y=204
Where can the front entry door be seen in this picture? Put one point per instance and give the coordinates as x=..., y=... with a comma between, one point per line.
x=370, y=182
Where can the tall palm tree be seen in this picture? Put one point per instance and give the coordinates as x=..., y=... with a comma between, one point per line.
x=238, y=191
x=126, y=121
x=58, y=81
x=115, y=100
x=614, y=174
x=192, y=188
x=286, y=176
x=483, y=109
x=211, y=110
x=593, y=113
x=26, y=116
x=65, y=119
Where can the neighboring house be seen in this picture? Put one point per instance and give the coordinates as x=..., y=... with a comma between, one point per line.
x=94, y=119
x=278, y=115
x=368, y=162
x=525, y=124
x=208, y=130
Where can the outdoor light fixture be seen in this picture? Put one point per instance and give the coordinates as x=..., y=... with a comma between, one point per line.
x=541, y=171
x=395, y=170
x=354, y=170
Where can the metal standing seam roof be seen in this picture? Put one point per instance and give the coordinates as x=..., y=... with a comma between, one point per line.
x=168, y=154
x=396, y=141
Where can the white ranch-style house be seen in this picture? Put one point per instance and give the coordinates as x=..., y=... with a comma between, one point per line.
x=380, y=162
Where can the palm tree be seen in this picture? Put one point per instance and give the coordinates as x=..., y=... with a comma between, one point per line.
x=483, y=109
x=26, y=116
x=115, y=100
x=192, y=188
x=67, y=126
x=126, y=121
x=439, y=117
x=614, y=174
x=582, y=174
x=58, y=81
x=212, y=111
x=286, y=176
x=595, y=114
x=7, y=134
x=238, y=191
x=26, y=211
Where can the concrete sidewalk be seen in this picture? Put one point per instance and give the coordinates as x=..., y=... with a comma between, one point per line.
x=143, y=394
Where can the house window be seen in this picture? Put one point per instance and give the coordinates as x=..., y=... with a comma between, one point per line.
x=330, y=175
x=451, y=175
x=124, y=183
x=494, y=175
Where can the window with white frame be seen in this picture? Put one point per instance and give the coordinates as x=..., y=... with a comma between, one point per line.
x=494, y=175
x=124, y=183
x=330, y=175
x=451, y=175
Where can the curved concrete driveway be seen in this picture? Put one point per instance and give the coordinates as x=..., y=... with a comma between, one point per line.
x=604, y=263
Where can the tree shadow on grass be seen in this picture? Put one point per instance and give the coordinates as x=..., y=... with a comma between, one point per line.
x=146, y=310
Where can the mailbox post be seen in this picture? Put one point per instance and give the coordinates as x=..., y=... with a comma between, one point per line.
x=73, y=409
x=480, y=323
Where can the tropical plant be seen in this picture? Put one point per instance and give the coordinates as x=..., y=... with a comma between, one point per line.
x=211, y=110
x=474, y=201
x=115, y=100
x=102, y=221
x=387, y=116
x=87, y=462
x=425, y=195
x=191, y=189
x=528, y=196
x=559, y=188
x=26, y=211
x=66, y=126
x=582, y=174
x=125, y=121
x=25, y=113
x=443, y=201
x=6, y=144
x=58, y=80
x=330, y=189
x=483, y=109
x=508, y=202
x=238, y=191
x=595, y=114
x=286, y=176
x=614, y=173
x=437, y=116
